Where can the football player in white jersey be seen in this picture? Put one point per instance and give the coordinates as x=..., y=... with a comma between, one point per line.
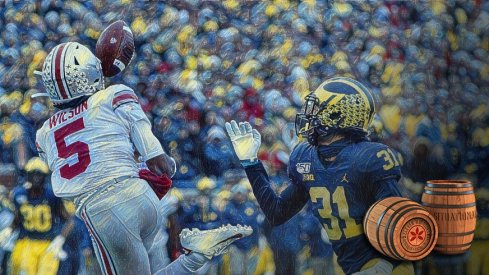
x=89, y=145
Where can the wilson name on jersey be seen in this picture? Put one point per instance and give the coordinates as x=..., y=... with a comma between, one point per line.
x=342, y=191
x=88, y=145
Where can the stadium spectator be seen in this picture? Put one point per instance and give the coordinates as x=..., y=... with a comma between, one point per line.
x=217, y=153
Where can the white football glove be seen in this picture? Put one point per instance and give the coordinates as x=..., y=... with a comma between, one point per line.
x=246, y=140
x=56, y=247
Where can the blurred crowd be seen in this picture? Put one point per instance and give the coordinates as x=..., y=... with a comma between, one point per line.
x=201, y=63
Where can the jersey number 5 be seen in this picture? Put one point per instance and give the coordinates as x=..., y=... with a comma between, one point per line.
x=65, y=151
x=334, y=231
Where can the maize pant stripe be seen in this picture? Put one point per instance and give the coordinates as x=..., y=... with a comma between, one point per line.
x=108, y=264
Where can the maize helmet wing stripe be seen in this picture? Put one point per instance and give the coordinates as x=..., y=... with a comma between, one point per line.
x=328, y=97
x=328, y=93
x=362, y=91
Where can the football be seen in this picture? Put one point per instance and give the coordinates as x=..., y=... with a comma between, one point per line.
x=115, y=48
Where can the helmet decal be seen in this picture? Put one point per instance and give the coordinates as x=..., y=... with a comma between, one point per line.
x=364, y=92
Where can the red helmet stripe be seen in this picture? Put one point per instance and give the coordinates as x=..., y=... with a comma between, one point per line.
x=57, y=72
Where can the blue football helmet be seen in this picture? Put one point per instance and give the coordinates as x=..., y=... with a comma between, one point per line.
x=338, y=105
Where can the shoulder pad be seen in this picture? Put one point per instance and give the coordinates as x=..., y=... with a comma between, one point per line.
x=377, y=161
x=122, y=96
x=114, y=95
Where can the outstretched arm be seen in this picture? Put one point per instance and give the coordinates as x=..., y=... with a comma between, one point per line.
x=277, y=208
x=161, y=166
x=143, y=139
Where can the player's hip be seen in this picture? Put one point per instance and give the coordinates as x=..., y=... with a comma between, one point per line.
x=129, y=207
x=116, y=192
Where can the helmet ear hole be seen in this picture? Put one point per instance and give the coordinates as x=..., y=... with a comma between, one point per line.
x=76, y=61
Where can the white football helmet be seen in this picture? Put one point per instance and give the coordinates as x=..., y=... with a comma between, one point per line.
x=70, y=71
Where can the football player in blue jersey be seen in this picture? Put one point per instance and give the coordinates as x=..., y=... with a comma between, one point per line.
x=43, y=223
x=338, y=169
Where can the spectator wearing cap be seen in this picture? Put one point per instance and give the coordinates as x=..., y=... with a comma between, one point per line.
x=218, y=154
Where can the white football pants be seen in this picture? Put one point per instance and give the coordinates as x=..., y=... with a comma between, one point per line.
x=126, y=231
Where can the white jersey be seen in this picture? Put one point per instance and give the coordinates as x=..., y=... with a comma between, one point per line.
x=90, y=144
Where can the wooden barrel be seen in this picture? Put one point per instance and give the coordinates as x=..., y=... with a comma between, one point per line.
x=452, y=204
x=400, y=228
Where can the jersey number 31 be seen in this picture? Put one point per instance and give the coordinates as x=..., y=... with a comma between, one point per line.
x=335, y=232
x=78, y=147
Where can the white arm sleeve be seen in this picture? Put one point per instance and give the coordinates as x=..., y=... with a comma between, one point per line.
x=144, y=140
x=139, y=128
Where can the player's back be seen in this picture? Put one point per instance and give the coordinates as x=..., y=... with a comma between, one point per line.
x=89, y=144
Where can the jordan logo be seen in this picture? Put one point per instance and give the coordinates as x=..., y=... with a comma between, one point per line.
x=344, y=179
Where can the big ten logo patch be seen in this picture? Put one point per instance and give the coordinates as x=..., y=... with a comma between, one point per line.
x=307, y=177
x=304, y=168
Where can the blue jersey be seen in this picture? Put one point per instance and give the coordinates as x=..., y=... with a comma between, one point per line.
x=310, y=232
x=342, y=191
x=286, y=237
x=39, y=216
